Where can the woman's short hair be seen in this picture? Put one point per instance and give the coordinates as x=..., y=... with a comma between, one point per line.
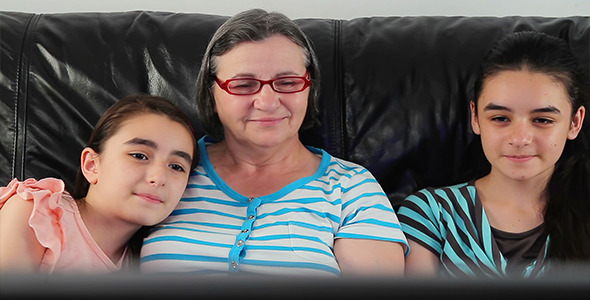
x=251, y=25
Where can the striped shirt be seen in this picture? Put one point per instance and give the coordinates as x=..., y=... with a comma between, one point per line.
x=451, y=222
x=290, y=232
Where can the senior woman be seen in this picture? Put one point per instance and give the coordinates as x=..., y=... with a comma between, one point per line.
x=261, y=202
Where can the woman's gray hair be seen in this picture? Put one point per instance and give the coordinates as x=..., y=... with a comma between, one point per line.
x=251, y=25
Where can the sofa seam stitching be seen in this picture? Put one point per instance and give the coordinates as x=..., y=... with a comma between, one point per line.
x=22, y=99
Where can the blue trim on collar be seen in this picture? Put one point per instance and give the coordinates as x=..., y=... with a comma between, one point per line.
x=210, y=170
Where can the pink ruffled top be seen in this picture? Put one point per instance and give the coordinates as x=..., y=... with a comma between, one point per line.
x=57, y=223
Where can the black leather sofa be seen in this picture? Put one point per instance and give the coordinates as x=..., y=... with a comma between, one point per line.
x=394, y=90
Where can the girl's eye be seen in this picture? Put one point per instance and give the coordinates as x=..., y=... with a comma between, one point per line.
x=500, y=119
x=177, y=167
x=543, y=121
x=139, y=156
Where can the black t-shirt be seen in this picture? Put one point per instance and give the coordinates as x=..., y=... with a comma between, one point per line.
x=520, y=249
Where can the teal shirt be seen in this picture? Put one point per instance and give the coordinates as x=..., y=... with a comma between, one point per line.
x=451, y=222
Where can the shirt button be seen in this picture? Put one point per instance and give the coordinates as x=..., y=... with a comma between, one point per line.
x=250, y=199
x=234, y=265
x=245, y=230
x=240, y=243
x=250, y=217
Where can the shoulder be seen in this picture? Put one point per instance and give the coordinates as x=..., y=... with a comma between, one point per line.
x=47, y=191
x=449, y=199
x=45, y=200
x=339, y=167
x=443, y=194
x=35, y=210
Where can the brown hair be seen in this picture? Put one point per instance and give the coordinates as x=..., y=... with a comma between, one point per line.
x=122, y=110
x=567, y=215
x=252, y=25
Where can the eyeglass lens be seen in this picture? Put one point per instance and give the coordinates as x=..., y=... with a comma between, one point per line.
x=251, y=86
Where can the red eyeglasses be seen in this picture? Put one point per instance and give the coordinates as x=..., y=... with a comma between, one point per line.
x=250, y=86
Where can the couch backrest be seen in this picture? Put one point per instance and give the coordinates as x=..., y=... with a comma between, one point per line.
x=394, y=90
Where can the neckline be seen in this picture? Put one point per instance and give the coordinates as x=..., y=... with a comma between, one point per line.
x=485, y=222
x=517, y=235
x=220, y=183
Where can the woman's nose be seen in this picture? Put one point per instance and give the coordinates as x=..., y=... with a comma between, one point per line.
x=267, y=98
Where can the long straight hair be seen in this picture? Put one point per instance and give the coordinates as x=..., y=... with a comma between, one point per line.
x=567, y=214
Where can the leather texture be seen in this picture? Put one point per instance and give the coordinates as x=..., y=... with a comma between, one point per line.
x=394, y=90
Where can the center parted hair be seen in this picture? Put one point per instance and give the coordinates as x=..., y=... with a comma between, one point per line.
x=250, y=26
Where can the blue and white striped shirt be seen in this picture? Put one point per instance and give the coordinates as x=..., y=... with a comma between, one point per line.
x=290, y=232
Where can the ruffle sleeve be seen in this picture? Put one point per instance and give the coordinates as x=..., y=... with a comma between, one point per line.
x=46, y=218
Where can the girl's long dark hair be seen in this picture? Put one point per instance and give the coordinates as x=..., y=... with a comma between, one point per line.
x=567, y=214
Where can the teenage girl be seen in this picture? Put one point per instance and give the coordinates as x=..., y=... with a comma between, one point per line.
x=531, y=209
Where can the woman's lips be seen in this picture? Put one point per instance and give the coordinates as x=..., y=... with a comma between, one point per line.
x=268, y=121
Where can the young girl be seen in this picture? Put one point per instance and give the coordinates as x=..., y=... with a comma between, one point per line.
x=531, y=211
x=132, y=174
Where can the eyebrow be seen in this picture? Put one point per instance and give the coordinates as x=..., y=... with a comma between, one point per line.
x=548, y=109
x=152, y=144
x=251, y=75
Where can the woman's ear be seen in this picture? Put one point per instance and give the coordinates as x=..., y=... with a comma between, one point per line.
x=89, y=165
x=474, y=119
x=577, y=122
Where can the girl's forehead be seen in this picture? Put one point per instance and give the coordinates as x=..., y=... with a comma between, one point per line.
x=154, y=126
x=524, y=89
x=145, y=122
